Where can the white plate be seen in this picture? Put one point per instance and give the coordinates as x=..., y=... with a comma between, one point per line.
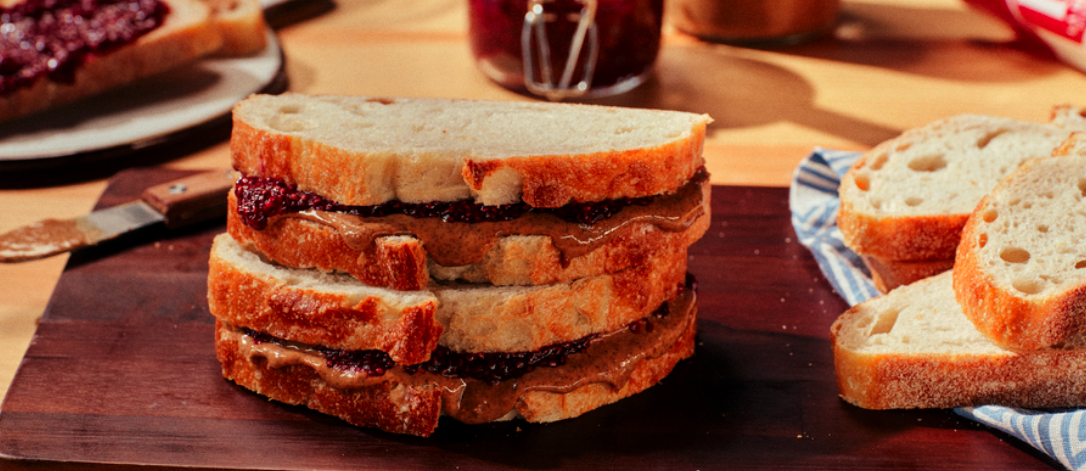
x=144, y=113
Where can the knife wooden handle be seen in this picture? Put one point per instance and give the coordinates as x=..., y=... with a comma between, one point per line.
x=192, y=199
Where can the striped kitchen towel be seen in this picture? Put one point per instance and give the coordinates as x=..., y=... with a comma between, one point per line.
x=813, y=200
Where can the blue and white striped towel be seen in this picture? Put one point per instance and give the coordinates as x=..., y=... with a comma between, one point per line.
x=813, y=200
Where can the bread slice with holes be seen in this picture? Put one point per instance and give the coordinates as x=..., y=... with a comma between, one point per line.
x=186, y=34
x=369, y=150
x=904, y=203
x=915, y=348
x=1020, y=271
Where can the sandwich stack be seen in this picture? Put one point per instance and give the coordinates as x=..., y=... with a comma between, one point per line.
x=1005, y=326
x=392, y=260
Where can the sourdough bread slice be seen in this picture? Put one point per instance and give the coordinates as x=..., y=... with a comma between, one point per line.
x=318, y=308
x=635, y=236
x=369, y=150
x=914, y=348
x=908, y=198
x=1021, y=267
x=399, y=402
x=337, y=311
x=186, y=34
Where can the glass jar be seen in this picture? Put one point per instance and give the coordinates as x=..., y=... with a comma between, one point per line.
x=754, y=22
x=566, y=48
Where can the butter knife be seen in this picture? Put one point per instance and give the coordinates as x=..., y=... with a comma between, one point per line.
x=190, y=200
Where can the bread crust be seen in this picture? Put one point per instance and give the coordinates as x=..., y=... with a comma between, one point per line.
x=401, y=262
x=361, y=177
x=332, y=319
x=185, y=35
x=415, y=409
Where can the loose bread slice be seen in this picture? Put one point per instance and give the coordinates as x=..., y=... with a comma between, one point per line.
x=185, y=35
x=914, y=348
x=1021, y=267
x=402, y=262
x=369, y=150
x=337, y=311
x=908, y=198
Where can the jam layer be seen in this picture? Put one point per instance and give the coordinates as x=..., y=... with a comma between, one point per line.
x=52, y=38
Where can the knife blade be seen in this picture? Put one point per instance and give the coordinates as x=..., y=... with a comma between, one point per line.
x=179, y=203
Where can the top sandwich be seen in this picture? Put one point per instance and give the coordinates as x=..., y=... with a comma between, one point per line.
x=548, y=192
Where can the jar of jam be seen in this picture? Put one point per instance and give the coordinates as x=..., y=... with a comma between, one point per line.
x=566, y=48
x=754, y=22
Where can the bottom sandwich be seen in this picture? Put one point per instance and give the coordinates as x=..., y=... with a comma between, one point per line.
x=368, y=389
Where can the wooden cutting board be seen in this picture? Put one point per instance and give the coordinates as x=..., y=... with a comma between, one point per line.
x=122, y=372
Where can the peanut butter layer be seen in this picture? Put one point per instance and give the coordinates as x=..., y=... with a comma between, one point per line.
x=608, y=359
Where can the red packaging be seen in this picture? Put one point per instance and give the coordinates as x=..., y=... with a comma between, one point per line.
x=1056, y=24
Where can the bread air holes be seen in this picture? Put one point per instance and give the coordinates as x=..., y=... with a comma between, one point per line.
x=989, y=215
x=988, y=138
x=928, y=163
x=879, y=161
x=884, y=322
x=982, y=240
x=1082, y=187
x=1080, y=264
x=1014, y=255
x=1028, y=285
x=914, y=201
x=289, y=119
x=863, y=182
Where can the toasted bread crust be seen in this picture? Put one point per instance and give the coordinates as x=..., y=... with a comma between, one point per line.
x=186, y=35
x=316, y=317
x=889, y=274
x=358, y=176
x=551, y=181
x=401, y=262
x=415, y=409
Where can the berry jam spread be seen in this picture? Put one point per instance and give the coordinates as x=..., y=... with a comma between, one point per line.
x=262, y=198
x=51, y=38
x=490, y=367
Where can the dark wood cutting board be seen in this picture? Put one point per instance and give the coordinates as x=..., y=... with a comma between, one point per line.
x=122, y=372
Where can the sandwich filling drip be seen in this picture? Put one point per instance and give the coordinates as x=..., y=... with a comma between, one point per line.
x=470, y=394
x=52, y=38
x=575, y=229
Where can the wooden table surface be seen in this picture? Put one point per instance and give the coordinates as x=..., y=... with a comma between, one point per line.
x=891, y=65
